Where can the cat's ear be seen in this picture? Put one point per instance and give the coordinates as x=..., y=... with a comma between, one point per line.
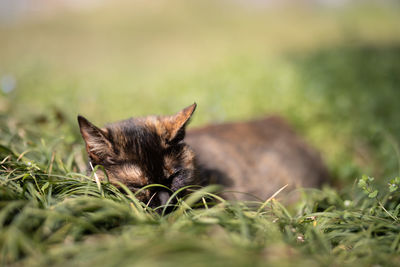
x=98, y=147
x=175, y=125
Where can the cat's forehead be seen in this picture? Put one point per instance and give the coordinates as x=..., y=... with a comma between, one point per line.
x=136, y=141
x=135, y=134
x=149, y=123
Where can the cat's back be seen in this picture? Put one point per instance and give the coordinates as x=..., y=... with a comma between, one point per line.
x=257, y=157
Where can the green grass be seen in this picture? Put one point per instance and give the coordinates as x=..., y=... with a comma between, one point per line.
x=52, y=215
x=333, y=73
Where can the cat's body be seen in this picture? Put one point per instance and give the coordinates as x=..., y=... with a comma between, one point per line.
x=256, y=157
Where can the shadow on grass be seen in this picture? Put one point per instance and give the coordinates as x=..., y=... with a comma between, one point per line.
x=357, y=92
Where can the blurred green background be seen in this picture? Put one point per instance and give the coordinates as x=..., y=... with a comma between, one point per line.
x=332, y=68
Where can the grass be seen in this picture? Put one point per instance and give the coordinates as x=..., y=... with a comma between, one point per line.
x=53, y=216
x=333, y=73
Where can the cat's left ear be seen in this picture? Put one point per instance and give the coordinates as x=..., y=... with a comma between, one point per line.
x=175, y=125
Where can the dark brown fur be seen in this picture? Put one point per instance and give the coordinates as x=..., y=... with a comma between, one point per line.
x=257, y=157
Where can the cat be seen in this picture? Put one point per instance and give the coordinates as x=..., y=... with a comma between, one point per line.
x=256, y=157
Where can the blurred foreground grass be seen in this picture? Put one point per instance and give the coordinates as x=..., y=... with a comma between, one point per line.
x=334, y=73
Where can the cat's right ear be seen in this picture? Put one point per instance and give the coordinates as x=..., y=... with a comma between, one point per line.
x=175, y=125
x=98, y=146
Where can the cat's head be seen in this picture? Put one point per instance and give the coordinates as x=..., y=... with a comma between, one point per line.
x=142, y=151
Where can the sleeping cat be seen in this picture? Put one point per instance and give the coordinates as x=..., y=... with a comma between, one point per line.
x=256, y=157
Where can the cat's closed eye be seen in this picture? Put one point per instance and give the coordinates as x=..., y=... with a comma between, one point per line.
x=175, y=174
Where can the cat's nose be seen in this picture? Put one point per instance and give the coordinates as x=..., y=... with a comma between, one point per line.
x=163, y=196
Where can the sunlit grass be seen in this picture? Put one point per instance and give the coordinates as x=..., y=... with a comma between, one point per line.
x=50, y=215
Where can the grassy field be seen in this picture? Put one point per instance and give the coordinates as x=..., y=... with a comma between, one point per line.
x=333, y=72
